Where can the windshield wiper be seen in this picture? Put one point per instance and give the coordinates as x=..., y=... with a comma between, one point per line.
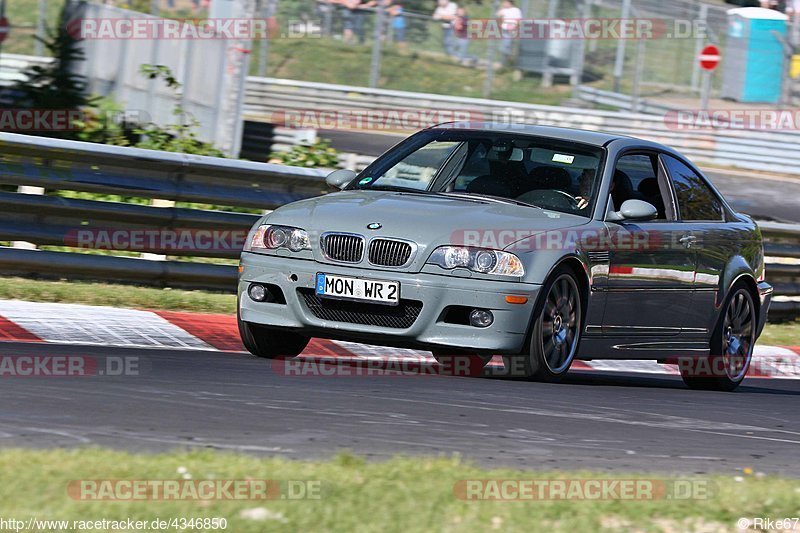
x=394, y=188
x=501, y=199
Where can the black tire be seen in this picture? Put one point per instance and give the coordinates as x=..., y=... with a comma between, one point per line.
x=458, y=363
x=555, y=331
x=270, y=343
x=731, y=347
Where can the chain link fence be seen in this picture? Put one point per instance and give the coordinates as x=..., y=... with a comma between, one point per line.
x=401, y=45
x=412, y=51
x=398, y=44
x=667, y=67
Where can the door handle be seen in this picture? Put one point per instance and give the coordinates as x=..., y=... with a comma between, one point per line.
x=688, y=240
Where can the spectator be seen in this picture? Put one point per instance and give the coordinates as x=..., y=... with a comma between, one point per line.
x=197, y=4
x=460, y=26
x=509, y=16
x=353, y=20
x=395, y=11
x=777, y=5
x=446, y=13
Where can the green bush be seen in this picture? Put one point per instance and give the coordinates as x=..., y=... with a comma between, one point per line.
x=177, y=137
x=318, y=154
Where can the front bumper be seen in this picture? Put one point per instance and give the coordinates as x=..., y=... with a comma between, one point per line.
x=765, y=297
x=436, y=292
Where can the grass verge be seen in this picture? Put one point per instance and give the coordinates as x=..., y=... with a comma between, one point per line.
x=785, y=334
x=78, y=292
x=416, y=71
x=402, y=494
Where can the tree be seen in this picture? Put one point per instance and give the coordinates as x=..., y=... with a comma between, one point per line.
x=56, y=85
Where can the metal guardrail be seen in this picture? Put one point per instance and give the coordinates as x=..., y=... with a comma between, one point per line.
x=38, y=263
x=782, y=250
x=12, y=67
x=76, y=166
x=622, y=101
x=268, y=99
x=54, y=164
x=771, y=151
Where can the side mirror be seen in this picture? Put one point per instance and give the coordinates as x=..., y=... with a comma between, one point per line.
x=338, y=179
x=637, y=210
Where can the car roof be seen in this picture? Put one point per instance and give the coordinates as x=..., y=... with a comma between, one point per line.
x=594, y=138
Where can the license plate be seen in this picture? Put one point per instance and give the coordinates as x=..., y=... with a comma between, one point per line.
x=360, y=289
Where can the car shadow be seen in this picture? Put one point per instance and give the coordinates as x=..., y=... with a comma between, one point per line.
x=321, y=366
x=638, y=380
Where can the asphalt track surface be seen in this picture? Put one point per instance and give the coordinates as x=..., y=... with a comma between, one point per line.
x=765, y=198
x=235, y=402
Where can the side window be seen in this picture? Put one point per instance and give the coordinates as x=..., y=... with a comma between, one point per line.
x=418, y=168
x=635, y=178
x=696, y=200
x=476, y=165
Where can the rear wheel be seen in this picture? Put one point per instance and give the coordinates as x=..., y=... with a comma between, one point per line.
x=555, y=333
x=270, y=343
x=732, y=346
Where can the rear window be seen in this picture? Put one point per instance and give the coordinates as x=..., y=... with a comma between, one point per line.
x=696, y=201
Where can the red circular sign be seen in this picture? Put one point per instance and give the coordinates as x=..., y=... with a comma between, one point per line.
x=4, y=28
x=709, y=57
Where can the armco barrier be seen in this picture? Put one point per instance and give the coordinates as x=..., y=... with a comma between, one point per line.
x=76, y=166
x=266, y=98
x=54, y=164
x=765, y=150
x=782, y=249
x=775, y=151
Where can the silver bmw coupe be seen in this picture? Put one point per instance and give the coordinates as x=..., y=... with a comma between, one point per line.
x=539, y=244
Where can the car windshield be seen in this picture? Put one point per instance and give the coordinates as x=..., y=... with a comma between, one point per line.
x=540, y=172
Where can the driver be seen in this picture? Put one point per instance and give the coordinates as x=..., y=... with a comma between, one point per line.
x=585, y=188
x=585, y=185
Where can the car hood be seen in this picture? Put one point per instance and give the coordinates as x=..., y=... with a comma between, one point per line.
x=429, y=220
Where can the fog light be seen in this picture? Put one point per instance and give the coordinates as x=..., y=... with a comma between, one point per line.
x=481, y=318
x=257, y=292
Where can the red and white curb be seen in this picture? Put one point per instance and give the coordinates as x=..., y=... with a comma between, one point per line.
x=108, y=326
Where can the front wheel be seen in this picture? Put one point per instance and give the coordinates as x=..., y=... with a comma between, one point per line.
x=270, y=343
x=555, y=333
x=732, y=346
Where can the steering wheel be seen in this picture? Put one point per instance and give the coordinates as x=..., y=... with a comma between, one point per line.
x=553, y=198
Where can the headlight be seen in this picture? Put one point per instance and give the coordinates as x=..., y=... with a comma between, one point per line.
x=269, y=237
x=478, y=260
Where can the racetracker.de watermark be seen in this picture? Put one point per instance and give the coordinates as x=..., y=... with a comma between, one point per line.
x=511, y=490
x=31, y=366
x=770, y=365
x=523, y=239
x=157, y=240
x=613, y=29
x=459, y=366
x=391, y=119
x=172, y=29
x=733, y=119
x=41, y=120
x=193, y=490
